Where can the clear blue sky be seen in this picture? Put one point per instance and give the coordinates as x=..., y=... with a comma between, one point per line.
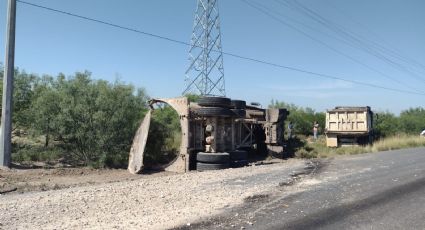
x=50, y=43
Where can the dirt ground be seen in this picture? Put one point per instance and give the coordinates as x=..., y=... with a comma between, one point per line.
x=115, y=199
x=22, y=179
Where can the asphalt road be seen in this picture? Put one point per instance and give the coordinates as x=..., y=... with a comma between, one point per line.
x=373, y=191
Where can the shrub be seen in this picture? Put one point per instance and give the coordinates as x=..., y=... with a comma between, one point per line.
x=98, y=120
x=31, y=154
x=92, y=121
x=164, y=136
x=319, y=149
x=412, y=121
x=302, y=118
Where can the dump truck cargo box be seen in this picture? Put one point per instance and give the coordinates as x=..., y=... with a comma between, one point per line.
x=348, y=123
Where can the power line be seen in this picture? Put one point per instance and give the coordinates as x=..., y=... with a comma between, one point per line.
x=365, y=44
x=225, y=53
x=105, y=23
x=322, y=75
x=262, y=10
x=393, y=52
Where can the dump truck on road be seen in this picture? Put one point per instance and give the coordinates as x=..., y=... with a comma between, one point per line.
x=349, y=126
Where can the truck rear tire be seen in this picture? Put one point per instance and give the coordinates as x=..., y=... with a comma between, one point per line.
x=214, y=102
x=205, y=166
x=238, y=104
x=214, y=112
x=239, y=164
x=238, y=155
x=213, y=158
x=239, y=112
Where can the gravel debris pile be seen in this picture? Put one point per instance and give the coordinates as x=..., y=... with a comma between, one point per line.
x=146, y=203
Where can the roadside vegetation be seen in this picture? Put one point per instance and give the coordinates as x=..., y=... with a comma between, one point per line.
x=74, y=120
x=164, y=137
x=390, y=132
x=318, y=149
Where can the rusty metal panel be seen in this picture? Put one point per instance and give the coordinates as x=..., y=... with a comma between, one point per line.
x=135, y=161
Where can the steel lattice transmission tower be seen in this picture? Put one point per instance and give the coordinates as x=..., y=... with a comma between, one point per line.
x=205, y=75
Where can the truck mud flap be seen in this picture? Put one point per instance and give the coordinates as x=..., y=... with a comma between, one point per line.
x=135, y=160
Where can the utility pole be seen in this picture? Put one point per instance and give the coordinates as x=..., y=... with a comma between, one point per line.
x=9, y=70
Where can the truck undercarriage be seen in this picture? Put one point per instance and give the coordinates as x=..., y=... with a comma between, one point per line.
x=216, y=133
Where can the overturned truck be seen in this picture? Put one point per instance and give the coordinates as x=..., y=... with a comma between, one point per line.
x=217, y=133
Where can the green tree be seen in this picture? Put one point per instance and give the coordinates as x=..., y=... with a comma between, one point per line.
x=119, y=109
x=97, y=120
x=386, y=124
x=22, y=97
x=164, y=136
x=45, y=108
x=302, y=118
x=193, y=97
x=412, y=121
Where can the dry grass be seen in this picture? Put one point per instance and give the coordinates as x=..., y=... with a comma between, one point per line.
x=319, y=149
x=398, y=142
